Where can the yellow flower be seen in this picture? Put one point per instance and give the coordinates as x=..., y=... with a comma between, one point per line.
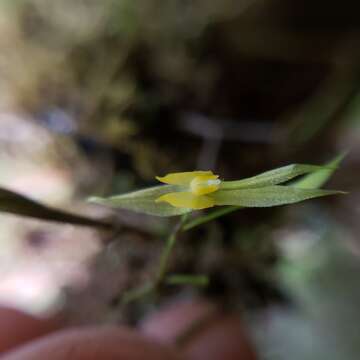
x=198, y=185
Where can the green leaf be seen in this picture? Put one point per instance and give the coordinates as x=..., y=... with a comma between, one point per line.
x=268, y=196
x=144, y=201
x=311, y=181
x=14, y=203
x=272, y=177
x=320, y=177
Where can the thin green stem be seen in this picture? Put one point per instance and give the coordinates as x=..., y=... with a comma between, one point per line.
x=209, y=217
x=151, y=286
x=194, y=280
x=137, y=293
x=169, y=246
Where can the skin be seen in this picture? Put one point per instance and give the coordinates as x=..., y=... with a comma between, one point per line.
x=222, y=337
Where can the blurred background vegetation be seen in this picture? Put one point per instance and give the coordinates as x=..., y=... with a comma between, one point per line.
x=98, y=97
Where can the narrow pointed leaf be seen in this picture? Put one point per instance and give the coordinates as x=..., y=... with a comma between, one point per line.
x=14, y=203
x=143, y=201
x=318, y=178
x=272, y=177
x=268, y=196
x=313, y=180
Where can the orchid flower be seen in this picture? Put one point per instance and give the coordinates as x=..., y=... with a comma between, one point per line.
x=198, y=184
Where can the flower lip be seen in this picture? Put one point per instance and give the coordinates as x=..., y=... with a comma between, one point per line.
x=205, y=184
x=214, y=182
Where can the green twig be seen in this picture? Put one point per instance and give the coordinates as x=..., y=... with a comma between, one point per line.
x=194, y=280
x=209, y=217
x=169, y=245
x=151, y=286
x=137, y=293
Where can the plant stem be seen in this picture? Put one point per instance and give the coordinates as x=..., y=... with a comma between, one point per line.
x=149, y=287
x=169, y=245
x=209, y=217
x=194, y=280
x=137, y=293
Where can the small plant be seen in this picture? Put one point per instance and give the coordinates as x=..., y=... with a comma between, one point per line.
x=187, y=192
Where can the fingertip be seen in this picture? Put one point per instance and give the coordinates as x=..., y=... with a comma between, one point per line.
x=203, y=331
x=224, y=339
x=107, y=342
x=18, y=327
x=166, y=325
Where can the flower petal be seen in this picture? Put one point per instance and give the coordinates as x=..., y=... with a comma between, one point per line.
x=185, y=199
x=182, y=178
x=205, y=184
